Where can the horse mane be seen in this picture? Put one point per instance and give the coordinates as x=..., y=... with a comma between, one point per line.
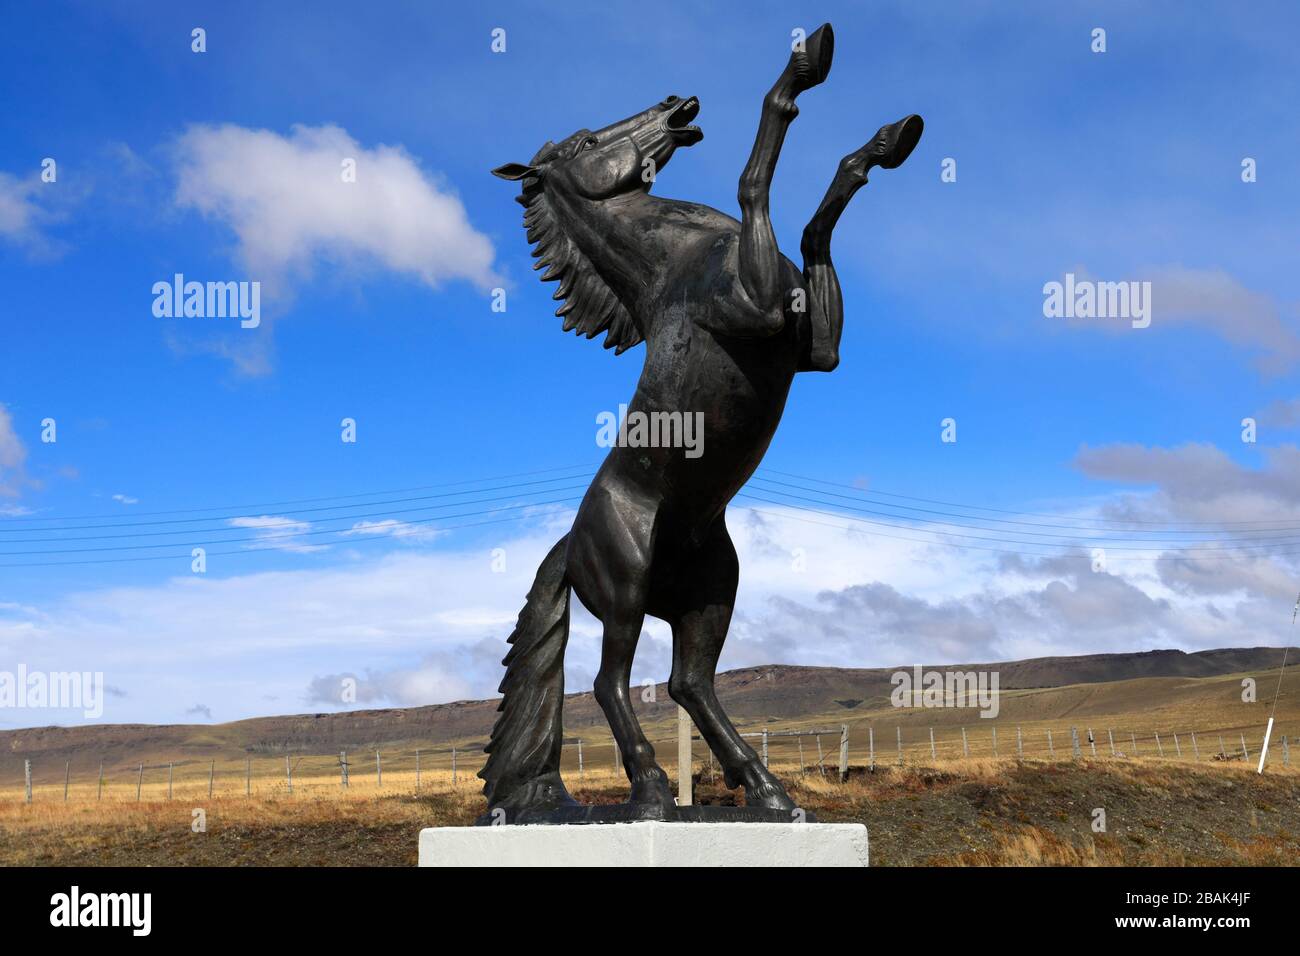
x=590, y=305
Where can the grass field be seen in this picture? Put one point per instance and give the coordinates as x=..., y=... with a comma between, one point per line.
x=1169, y=798
x=981, y=811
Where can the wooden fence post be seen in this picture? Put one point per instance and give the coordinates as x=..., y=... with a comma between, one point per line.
x=933, y=755
x=139, y=781
x=871, y=748
x=169, y=781
x=67, y=771
x=1159, y=749
x=27, y=779
x=900, y=745
x=764, y=746
x=454, y=778
x=379, y=770
x=1244, y=752
x=212, y=772
x=1074, y=742
x=1178, y=748
x=1195, y=749
x=844, y=752
x=801, y=764
x=343, y=769
x=99, y=790
x=995, y=740
x=1020, y=745
x=1051, y=751
x=965, y=745
x=248, y=776
x=1111, y=734
x=580, y=774
x=1133, y=739
x=417, y=769
x=288, y=772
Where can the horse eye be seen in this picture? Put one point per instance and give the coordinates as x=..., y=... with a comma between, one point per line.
x=589, y=142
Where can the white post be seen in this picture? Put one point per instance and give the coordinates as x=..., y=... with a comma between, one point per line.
x=379, y=770
x=288, y=772
x=1195, y=749
x=995, y=740
x=169, y=781
x=933, y=756
x=844, y=752
x=67, y=772
x=1286, y=752
x=1111, y=735
x=1051, y=751
x=99, y=792
x=1020, y=745
x=417, y=769
x=343, y=769
x=821, y=757
x=1092, y=742
x=1178, y=748
x=965, y=746
x=1159, y=748
x=580, y=758
x=1263, y=754
x=27, y=779
x=764, y=746
x=684, y=781
x=871, y=748
x=1074, y=742
x=801, y=765
x=1133, y=739
x=1244, y=753
x=900, y=745
x=1222, y=750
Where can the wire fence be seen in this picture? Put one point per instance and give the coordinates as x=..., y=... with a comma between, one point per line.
x=831, y=753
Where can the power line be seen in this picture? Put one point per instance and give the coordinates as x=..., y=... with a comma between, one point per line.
x=294, y=501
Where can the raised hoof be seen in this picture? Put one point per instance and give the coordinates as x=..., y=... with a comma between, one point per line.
x=813, y=64
x=895, y=142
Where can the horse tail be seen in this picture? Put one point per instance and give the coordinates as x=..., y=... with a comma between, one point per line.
x=523, y=765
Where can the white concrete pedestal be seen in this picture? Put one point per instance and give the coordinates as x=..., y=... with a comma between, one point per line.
x=648, y=844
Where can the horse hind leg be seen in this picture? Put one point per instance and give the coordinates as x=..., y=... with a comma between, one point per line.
x=887, y=149
x=702, y=615
x=609, y=560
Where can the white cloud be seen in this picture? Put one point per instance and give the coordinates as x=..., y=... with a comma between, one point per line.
x=289, y=207
x=13, y=456
x=278, y=533
x=21, y=216
x=126, y=500
x=392, y=528
x=426, y=626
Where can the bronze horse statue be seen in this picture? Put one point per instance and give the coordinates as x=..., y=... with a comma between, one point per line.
x=727, y=321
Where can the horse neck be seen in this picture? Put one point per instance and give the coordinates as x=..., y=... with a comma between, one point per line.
x=615, y=237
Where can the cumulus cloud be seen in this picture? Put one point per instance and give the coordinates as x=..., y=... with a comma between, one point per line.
x=22, y=214
x=287, y=202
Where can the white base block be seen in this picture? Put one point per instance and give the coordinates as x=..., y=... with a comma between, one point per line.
x=648, y=844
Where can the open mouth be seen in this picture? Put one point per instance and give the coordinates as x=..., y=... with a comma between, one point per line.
x=678, y=122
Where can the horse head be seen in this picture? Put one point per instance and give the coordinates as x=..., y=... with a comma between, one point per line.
x=621, y=158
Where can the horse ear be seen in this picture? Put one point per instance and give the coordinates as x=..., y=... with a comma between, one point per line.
x=515, y=171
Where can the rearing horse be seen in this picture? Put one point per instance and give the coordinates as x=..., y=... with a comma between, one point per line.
x=727, y=321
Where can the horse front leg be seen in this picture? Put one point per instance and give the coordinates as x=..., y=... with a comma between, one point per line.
x=759, y=256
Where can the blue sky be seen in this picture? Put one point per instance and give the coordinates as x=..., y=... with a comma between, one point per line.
x=1122, y=165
